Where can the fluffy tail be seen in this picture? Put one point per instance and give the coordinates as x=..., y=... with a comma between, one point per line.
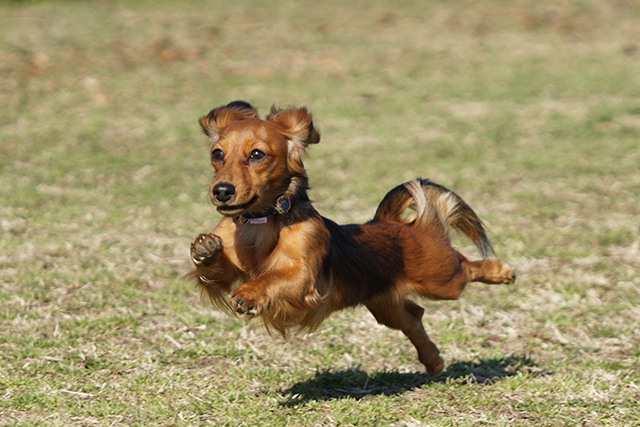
x=434, y=206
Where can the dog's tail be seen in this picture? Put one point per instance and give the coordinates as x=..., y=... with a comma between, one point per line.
x=433, y=206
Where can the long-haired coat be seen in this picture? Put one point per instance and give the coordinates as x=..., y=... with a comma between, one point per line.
x=274, y=257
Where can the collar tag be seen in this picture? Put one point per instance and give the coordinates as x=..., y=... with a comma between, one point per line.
x=283, y=204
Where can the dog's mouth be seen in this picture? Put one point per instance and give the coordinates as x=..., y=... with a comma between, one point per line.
x=234, y=210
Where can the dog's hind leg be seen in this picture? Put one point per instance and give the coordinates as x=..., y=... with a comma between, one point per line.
x=491, y=271
x=407, y=317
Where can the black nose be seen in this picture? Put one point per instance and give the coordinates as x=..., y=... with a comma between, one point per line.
x=223, y=191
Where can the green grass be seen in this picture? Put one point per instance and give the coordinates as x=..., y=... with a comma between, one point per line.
x=529, y=110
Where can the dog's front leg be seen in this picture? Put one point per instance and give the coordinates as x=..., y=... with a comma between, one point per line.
x=277, y=293
x=214, y=272
x=287, y=287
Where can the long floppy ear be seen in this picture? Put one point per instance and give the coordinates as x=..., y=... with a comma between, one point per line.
x=222, y=116
x=297, y=127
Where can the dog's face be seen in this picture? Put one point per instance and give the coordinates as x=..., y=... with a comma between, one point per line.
x=255, y=160
x=250, y=159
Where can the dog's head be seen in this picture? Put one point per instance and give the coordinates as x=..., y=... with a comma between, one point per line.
x=256, y=161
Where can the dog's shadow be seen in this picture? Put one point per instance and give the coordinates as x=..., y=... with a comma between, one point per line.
x=357, y=383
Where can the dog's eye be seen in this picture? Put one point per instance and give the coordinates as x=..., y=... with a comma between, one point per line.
x=257, y=155
x=217, y=155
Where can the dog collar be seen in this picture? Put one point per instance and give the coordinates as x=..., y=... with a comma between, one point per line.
x=283, y=205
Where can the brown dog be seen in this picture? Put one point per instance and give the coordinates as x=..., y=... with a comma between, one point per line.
x=274, y=257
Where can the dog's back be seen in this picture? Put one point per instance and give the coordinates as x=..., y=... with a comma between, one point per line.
x=405, y=248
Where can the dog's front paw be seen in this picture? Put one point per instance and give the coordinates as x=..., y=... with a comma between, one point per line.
x=205, y=249
x=246, y=301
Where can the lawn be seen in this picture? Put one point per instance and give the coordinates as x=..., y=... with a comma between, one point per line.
x=529, y=110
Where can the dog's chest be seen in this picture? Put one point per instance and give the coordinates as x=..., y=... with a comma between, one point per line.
x=254, y=243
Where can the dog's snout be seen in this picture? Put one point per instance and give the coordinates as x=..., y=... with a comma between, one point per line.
x=223, y=191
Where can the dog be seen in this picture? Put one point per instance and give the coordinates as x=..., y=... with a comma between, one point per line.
x=274, y=257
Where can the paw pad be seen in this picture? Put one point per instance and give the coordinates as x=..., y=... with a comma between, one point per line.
x=205, y=249
x=241, y=307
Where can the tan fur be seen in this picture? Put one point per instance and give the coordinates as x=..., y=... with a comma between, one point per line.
x=297, y=267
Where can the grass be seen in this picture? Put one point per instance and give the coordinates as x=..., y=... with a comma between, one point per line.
x=529, y=110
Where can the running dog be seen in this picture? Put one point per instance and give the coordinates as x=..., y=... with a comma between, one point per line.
x=274, y=257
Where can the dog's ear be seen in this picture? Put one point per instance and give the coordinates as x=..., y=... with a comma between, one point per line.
x=297, y=127
x=222, y=116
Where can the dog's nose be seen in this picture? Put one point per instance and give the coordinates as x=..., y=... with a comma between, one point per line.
x=223, y=191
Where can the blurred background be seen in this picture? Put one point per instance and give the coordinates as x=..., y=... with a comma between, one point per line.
x=530, y=110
